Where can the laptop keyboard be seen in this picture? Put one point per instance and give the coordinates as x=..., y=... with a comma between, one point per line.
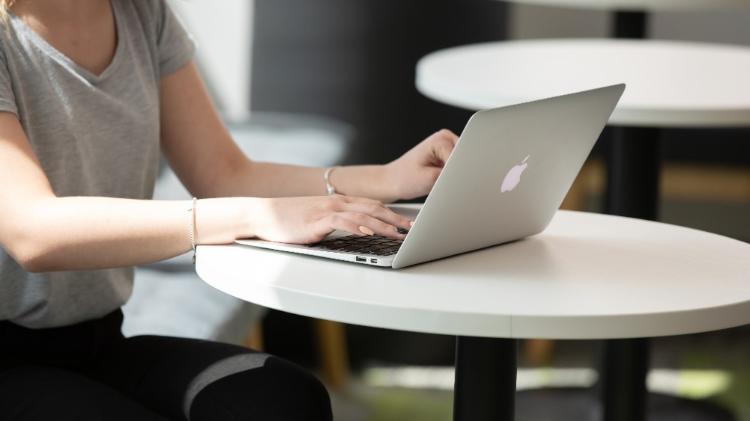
x=372, y=244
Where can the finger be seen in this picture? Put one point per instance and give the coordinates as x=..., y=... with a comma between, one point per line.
x=365, y=224
x=379, y=211
x=376, y=209
x=354, y=224
x=339, y=221
x=442, y=151
x=447, y=134
x=433, y=175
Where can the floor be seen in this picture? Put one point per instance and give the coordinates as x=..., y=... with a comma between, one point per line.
x=712, y=366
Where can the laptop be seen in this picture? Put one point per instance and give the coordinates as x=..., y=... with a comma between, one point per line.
x=504, y=181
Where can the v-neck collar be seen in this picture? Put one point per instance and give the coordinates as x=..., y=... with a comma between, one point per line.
x=93, y=78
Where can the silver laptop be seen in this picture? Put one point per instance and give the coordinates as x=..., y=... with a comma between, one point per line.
x=506, y=178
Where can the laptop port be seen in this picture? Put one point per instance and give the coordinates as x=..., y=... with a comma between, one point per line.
x=361, y=259
x=373, y=260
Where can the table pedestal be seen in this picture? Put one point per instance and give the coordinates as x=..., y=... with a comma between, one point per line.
x=633, y=173
x=623, y=384
x=485, y=385
x=630, y=25
x=633, y=191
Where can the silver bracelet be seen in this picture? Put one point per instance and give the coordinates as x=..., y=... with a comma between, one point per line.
x=327, y=178
x=192, y=226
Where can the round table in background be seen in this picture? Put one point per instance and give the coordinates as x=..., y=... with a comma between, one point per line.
x=587, y=276
x=669, y=84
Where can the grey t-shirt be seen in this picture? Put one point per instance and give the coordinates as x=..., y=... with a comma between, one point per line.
x=95, y=135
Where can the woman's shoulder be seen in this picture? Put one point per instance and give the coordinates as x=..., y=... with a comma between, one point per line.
x=170, y=44
x=10, y=45
x=150, y=13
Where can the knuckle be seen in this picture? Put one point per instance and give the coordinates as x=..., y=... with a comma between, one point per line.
x=333, y=203
x=335, y=219
x=388, y=229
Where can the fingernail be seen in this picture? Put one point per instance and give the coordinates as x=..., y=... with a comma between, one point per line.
x=366, y=231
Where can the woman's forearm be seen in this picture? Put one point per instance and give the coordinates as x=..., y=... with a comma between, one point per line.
x=82, y=233
x=260, y=179
x=410, y=176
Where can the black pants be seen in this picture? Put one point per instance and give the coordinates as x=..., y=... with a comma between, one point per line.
x=89, y=372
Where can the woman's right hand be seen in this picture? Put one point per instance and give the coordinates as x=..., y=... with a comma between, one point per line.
x=305, y=220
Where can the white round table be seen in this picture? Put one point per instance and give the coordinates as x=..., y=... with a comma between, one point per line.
x=683, y=85
x=669, y=84
x=586, y=276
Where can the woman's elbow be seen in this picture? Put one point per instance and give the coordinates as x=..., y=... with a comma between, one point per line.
x=27, y=250
x=31, y=257
x=24, y=237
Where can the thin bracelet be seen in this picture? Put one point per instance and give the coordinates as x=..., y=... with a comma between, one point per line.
x=327, y=178
x=192, y=226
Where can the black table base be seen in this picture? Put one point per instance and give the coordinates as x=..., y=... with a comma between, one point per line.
x=485, y=387
x=633, y=171
x=623, y=379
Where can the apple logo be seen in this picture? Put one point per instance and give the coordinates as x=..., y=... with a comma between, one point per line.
x=514, y=176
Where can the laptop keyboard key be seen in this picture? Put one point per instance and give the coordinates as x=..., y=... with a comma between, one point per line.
x=377, y=245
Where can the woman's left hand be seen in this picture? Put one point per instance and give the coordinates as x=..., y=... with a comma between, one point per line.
x=414, y=173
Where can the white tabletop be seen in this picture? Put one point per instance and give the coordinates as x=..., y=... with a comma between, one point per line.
x=641, y=5
x=586, y=276
x=670, y=83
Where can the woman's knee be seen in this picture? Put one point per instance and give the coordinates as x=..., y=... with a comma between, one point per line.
x=271, y=389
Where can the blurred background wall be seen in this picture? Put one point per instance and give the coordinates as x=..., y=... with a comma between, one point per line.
x=355, y=59
x=224, y=33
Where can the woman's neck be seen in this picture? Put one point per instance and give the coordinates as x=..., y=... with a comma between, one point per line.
x=83, y=30
x=60, y=11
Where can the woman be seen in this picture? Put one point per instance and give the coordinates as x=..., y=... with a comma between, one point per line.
x=90, y=92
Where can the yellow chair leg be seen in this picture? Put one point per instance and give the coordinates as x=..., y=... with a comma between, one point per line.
x=538, y=352
x=254, y=339
x=334, y=359
x=576, y=197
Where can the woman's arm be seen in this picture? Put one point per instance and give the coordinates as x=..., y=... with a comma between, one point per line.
x=45, y=233
x=207, y=161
